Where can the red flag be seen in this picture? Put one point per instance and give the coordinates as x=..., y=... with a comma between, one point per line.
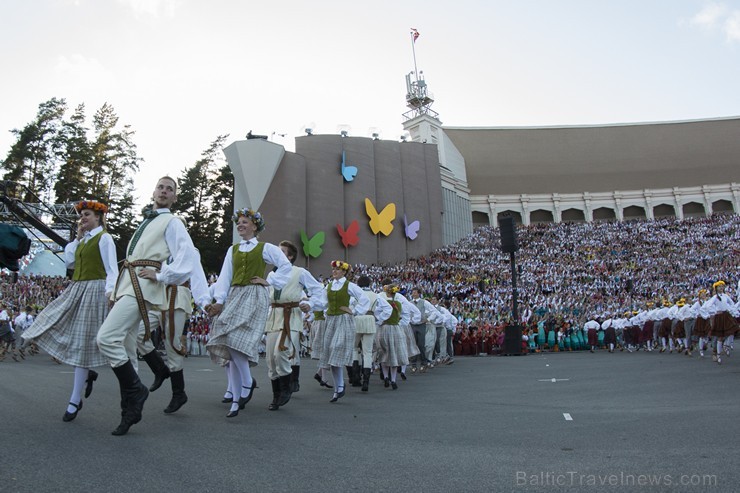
x=414, y=34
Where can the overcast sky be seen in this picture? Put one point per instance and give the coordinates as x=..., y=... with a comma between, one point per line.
x=181, y=72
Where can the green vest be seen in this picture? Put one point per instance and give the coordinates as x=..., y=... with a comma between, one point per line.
x=247, y=265
x=395, y=317
x=88, y=261
x=318, y=315
x=337, y=299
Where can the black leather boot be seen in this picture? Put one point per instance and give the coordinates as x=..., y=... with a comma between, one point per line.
x=365, y=379
x=179, y=397
x=356, y=378
x=275, y=404
x=285, y=392
x=294, y=378
x=350, y=375
x=134, y=394
x=160, y=370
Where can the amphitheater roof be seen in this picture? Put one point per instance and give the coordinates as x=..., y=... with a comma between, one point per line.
x=599, y=158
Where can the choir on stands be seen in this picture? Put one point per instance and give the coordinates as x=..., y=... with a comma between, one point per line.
x=664, y=286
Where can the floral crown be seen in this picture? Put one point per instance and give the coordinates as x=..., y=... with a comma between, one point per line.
x=391, y=288
x=340, y=264
x=93, y=205
x=255, y=216
x=717, y=284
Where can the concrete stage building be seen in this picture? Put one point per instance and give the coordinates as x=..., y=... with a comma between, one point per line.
x=373, y=201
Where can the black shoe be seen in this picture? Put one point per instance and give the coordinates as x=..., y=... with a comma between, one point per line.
x=158, y=367
x=275, y=404
x=233, y=414
x=386, y=382
x=178, y=400
x=92, y=375
x=227, y=400
x=394, y=386
x=133, y=396
x=243, y=400
x=295, y=385
x=403, y=375
x=70, y=416
x=337, y=395
x=285, y=393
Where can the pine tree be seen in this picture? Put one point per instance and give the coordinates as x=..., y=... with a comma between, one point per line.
x=32, y=159
x=200, y=206
x=71, y=182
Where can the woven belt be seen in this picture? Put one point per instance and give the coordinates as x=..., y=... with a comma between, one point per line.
x=131, y=268
x=169, y=319
x=287, y=311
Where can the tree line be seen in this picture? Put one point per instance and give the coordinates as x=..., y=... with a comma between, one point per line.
x=64, y=158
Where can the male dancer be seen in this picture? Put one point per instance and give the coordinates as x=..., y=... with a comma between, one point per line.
x=285, y=324
x=160, y=254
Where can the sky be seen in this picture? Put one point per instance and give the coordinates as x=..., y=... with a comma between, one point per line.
x=182, y=72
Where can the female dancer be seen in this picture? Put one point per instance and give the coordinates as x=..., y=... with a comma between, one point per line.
x=67, y=328
x=337, y=344
x=242, y=301
x=723, y=324
x=393, y=340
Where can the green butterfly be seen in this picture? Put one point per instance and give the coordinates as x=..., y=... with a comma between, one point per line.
x=312, y=247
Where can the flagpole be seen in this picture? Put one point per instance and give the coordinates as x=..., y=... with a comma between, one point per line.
x=413, y=51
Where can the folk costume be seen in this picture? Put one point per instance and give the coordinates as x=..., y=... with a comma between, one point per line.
x=68, y=327
x=161, y=242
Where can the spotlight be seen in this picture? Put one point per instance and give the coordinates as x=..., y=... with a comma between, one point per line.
x=343, y=133
x=376, y=136
x=343, y=129
x=309, y=131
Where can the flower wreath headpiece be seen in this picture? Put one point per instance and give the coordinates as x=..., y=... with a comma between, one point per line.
x=718, y=283
x=255, y=216
x=391, y=288
x=340, y=264
x=93, y=205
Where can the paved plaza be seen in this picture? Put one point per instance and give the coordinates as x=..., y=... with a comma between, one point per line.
x=544, y=422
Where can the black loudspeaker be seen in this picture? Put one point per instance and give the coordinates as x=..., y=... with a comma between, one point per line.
x=513, y=340
x=508, y=235
x=14, y=244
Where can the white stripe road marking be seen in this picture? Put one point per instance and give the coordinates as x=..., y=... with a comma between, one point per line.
x=567, y=417
x=553, y=380
x=205, y=369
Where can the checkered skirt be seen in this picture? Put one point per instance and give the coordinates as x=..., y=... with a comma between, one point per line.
x=67, y=328
x=337, y=344
x=240, y=325
x=411, y=347
x=317, y=336
x=392, y=349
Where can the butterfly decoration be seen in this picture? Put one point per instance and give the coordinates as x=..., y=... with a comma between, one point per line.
x=348, y=172
x=411, y=230
x=312, y=246
x=349, y=236
x=381, y=222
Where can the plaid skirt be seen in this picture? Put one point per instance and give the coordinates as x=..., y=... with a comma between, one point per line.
x=240, y=325
x=317, y=336
x=411, y=347
x=338, y=342
x=392, y=349
x=67, y=328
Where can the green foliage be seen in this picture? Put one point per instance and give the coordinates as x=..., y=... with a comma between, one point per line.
x=203, y=201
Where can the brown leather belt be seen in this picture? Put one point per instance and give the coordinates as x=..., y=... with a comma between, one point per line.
x=131, y=268
x=168, y=318
x=287, y=311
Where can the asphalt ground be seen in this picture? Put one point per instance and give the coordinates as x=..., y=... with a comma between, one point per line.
x=545, y=422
